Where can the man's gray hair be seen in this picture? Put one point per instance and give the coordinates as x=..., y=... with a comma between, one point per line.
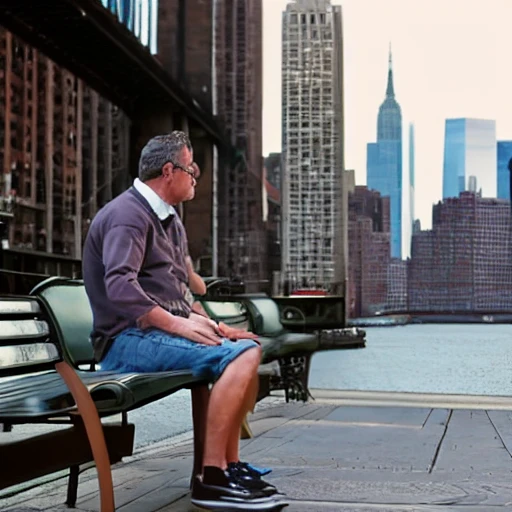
x=160, y=150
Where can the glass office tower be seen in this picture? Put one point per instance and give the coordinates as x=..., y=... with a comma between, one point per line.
x=504, y=154
x=469, y=150
x=140, y=16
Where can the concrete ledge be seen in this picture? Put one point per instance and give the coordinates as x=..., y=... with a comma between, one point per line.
x=405, y=399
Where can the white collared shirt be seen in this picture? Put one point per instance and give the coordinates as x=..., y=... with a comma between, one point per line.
x=158, y=205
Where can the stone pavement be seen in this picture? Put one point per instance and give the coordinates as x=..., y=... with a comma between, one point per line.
x=340, y=452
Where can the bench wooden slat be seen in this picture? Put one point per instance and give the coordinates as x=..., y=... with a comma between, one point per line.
x=13, y=357
x=18, y=306
x=23, y=330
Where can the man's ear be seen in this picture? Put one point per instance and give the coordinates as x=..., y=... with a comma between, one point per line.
x=167, y=170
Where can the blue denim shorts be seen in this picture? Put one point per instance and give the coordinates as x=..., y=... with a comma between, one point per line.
x=153, y=350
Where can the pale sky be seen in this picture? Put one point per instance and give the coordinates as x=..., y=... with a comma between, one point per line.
x=451, y=58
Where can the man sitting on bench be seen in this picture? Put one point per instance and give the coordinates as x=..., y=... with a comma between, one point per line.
x=136, y=277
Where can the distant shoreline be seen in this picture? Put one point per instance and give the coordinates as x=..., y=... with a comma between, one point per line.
x=434, y=318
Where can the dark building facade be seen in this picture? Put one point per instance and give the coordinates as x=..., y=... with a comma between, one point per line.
x=369, y=251
x=464, y=262
x=214, y=49
x=239, y=60
x=273, y=169
x=273, y=223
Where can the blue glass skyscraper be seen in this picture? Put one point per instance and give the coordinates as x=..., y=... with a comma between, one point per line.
x=140, y=16
x=504, y=154
x=384, y=161
x=469, y=152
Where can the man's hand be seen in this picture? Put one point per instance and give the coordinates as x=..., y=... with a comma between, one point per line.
x=233, y=333
x=200, y=332
x=205, y=321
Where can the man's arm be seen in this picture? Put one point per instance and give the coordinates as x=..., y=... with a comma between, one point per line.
x=123, y=254
x=195, y=281
x=185, y=327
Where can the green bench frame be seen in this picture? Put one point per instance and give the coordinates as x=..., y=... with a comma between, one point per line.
x=62, y=307
x=63, y=394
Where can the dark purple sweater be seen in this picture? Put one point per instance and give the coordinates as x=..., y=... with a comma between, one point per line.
x=132, y=262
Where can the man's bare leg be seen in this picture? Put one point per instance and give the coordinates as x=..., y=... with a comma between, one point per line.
x=227, y=406
x=233, y=451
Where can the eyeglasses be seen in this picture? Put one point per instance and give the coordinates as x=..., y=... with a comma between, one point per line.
x=190, y=170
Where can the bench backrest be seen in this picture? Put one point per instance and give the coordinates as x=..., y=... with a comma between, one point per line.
x=257, y=313
x=264, y=312
x=67, y=304
x=231, y=313
x=25, y=345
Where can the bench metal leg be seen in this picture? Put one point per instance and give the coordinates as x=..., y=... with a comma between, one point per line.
x=94, y=429
x=200, y=399
x=245, y=431
x=294, y=376
x=72, y=486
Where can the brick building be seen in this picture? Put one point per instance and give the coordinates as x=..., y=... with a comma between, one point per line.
x=63, y=152
x=464, y=262
x=369, y=251
x=397, y=285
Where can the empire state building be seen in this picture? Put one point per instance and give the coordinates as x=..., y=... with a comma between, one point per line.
x=384, y=160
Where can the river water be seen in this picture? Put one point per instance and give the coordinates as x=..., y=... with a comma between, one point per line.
x=464, y=358
x=453, y=358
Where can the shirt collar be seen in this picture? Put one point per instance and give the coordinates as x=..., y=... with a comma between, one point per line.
x=158, y=205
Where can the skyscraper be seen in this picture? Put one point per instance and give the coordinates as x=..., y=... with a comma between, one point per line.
x=469, y=150
x=411, y=174
x=504, y=154
x=384, y=160
x=312, y=200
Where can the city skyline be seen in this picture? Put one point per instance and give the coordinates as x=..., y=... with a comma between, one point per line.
x=435, y=78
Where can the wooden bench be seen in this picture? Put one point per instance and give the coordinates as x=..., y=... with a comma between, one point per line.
x=38, y=385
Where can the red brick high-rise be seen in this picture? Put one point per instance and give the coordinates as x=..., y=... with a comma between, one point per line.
x=464, y=262
x=369, y=251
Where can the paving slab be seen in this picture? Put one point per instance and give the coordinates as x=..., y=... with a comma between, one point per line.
x=328, y=456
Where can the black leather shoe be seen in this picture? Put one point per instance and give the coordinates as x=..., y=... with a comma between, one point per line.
x=250, y=479
x=219, y=490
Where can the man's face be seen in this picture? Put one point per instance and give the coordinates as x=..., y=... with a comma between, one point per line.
x=182, y=181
